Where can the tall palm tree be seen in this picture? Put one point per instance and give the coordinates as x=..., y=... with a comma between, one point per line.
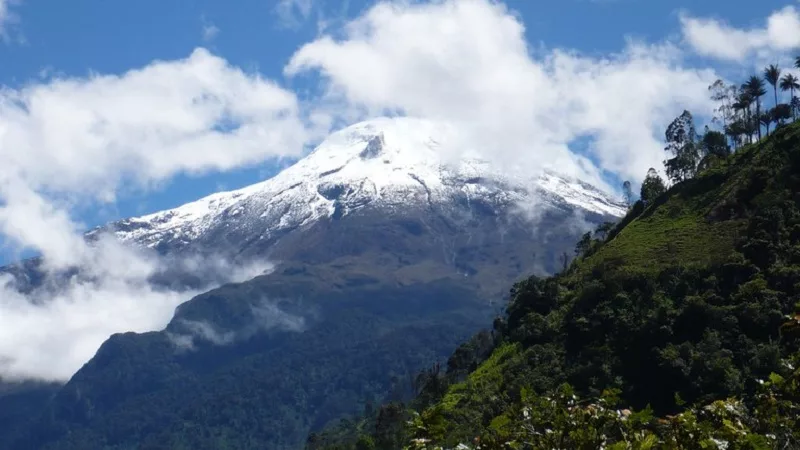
x=755, y=88
x=789, y=83
x=773, y=75
x=743, y=124
x=797, y=62
x=766, y=120
x=795, y=104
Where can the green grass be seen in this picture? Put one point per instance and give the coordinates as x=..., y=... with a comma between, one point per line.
x=686, y=227
x=487, y=375
x=660, y=240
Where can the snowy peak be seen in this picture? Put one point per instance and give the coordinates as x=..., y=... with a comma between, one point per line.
x=383, y=151
x=386, y=163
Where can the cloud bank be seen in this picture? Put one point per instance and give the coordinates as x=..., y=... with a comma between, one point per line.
x=48, y=333
x=467, y=63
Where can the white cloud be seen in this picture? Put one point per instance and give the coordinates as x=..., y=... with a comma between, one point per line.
x=194, y=115
x=715, y=38
x=3, y=11
x=51, y=332
x=466, y=62
x=210, y=32
x=266, y=316
x=293, y=12
x=77, y=141
x=6, y=17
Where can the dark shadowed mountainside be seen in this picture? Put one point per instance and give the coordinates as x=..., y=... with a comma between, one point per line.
x=355, y=307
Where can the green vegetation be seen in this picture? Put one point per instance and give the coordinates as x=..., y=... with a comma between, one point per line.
x=678, y=328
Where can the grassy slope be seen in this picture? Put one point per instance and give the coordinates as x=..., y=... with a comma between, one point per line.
x=697, y=224
x=692, y=223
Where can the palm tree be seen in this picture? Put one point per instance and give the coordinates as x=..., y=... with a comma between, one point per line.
x=737, y=130
x=742, y=104
x=766, y=120
x=797, y=62
x=795, y=104
x=755, y=88
x=789, y=83
x=773, y=75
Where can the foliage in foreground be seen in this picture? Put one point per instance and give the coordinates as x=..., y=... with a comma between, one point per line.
x=561, y=421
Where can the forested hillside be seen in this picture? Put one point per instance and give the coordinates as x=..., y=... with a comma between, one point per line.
x=678, y=328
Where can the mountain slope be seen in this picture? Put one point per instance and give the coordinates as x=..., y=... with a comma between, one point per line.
x=390, y=164
x=386, y=257
x=688, y=310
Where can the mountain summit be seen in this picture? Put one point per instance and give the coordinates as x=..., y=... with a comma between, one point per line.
x=389, y=164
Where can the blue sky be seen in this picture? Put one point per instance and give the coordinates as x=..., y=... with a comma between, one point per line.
x=81, y=37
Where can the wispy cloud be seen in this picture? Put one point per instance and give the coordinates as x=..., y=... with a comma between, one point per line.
x=716, y=38
x=265, y=315
x=7, y=17
x=3, y=12
x=210, y=32
x=292, y=13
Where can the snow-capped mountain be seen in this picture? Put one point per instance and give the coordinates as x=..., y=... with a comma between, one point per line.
x=391, y=164
x=380, y=247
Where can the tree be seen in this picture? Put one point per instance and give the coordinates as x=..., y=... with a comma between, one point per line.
x=713, y=148
x=773, y=75
x=782, y=113
x=720, y=92
x=795, y=104
x=602, y=230
x=755, y=89
x=365, y=443
x=789, y=83
x=583, y=246
x=766, y=120
x=652, y=186
x=742, y=106
x=627, y=192
x=681, y=138
x=714, y=143
x=564, y=261
x=737, y=130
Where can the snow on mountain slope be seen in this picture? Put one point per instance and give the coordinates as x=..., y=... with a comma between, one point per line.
x=390, y=163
